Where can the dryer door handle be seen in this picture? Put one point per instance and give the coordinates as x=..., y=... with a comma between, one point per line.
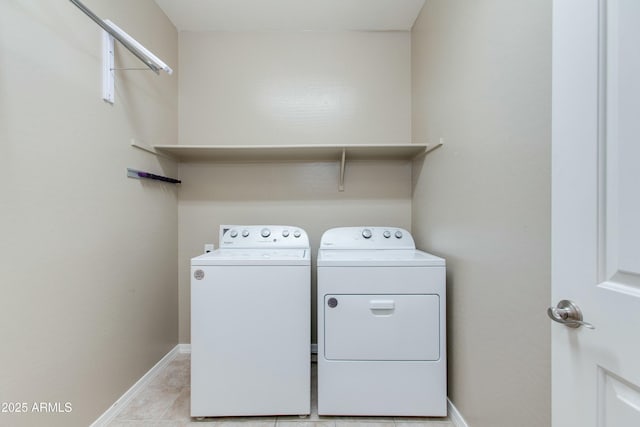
x=382, y=304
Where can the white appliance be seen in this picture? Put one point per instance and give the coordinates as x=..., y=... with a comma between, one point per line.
x=250, y=323
x=381, y=325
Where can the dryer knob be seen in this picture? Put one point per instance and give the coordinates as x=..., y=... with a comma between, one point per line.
x=285, y=233
x=245, y=233
x=297, y=234
x=265, y=232
x=398, y=234
x=386, y=234
x=366, y=233
x=233, y=233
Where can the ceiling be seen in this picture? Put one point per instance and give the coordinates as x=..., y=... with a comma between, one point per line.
x=292, y=15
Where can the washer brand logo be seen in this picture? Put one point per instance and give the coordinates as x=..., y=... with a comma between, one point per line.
x=198, y=274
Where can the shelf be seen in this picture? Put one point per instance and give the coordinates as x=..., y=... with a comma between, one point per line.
x=270, y=153
x=291, y=153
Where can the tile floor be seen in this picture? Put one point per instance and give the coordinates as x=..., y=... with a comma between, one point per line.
x=164, y=401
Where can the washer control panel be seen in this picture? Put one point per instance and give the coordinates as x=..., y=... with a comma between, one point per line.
x=261, y=236
x=367, y=238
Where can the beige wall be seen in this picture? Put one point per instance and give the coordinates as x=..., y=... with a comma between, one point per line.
x=295, y=87
x=291, y=88
x=89, y=271
x=481, y=80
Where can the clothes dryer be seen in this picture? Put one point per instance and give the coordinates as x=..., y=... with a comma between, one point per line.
x=381, y=325
x=250, y=324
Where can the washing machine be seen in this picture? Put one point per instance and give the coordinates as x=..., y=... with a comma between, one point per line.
x=250, y=323
x=381, y=325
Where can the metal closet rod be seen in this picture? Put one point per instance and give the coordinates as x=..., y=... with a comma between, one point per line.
x=116, y=36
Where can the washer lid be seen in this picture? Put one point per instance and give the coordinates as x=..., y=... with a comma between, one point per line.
x=378, y=258
x=254, y=257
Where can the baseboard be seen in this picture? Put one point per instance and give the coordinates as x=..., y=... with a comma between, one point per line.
x=115, y=409
x=455, y=416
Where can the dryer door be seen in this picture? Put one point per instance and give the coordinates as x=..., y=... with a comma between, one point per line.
x=382, y=327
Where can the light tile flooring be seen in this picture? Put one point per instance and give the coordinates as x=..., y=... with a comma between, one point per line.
x=164, y=401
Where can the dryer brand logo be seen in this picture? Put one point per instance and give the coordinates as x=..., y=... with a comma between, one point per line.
x=198, y=274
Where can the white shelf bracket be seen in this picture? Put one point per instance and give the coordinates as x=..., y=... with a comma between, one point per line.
x=342, y=165
x=438, y=145
x=430, y=149
x=149, y=149
x=108, y=68
x=113, y=32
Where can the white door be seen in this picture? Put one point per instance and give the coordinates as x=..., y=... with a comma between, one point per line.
x=596, y=211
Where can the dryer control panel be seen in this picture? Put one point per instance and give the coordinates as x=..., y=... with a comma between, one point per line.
x=263, y=236
x=367, y=238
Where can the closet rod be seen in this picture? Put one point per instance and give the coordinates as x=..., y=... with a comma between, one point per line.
x=117, y=36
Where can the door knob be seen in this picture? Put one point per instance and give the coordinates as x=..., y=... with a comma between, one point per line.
x=569, y=314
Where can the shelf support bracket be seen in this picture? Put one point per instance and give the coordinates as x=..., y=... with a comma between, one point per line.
x=108, y=66
x=113, y=32
x=429, y=148
x=438, y=145
x=342, y=165
x=149, y=149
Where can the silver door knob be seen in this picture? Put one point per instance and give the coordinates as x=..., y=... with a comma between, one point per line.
x=569, y=314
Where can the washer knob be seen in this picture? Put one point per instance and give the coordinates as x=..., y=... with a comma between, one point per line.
x=285, y=233
x=245, y=233
x=233, y=233
x=366, y=233
x=297, y=234
x=386, y=234
x=398, y=234
x=265, y=232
